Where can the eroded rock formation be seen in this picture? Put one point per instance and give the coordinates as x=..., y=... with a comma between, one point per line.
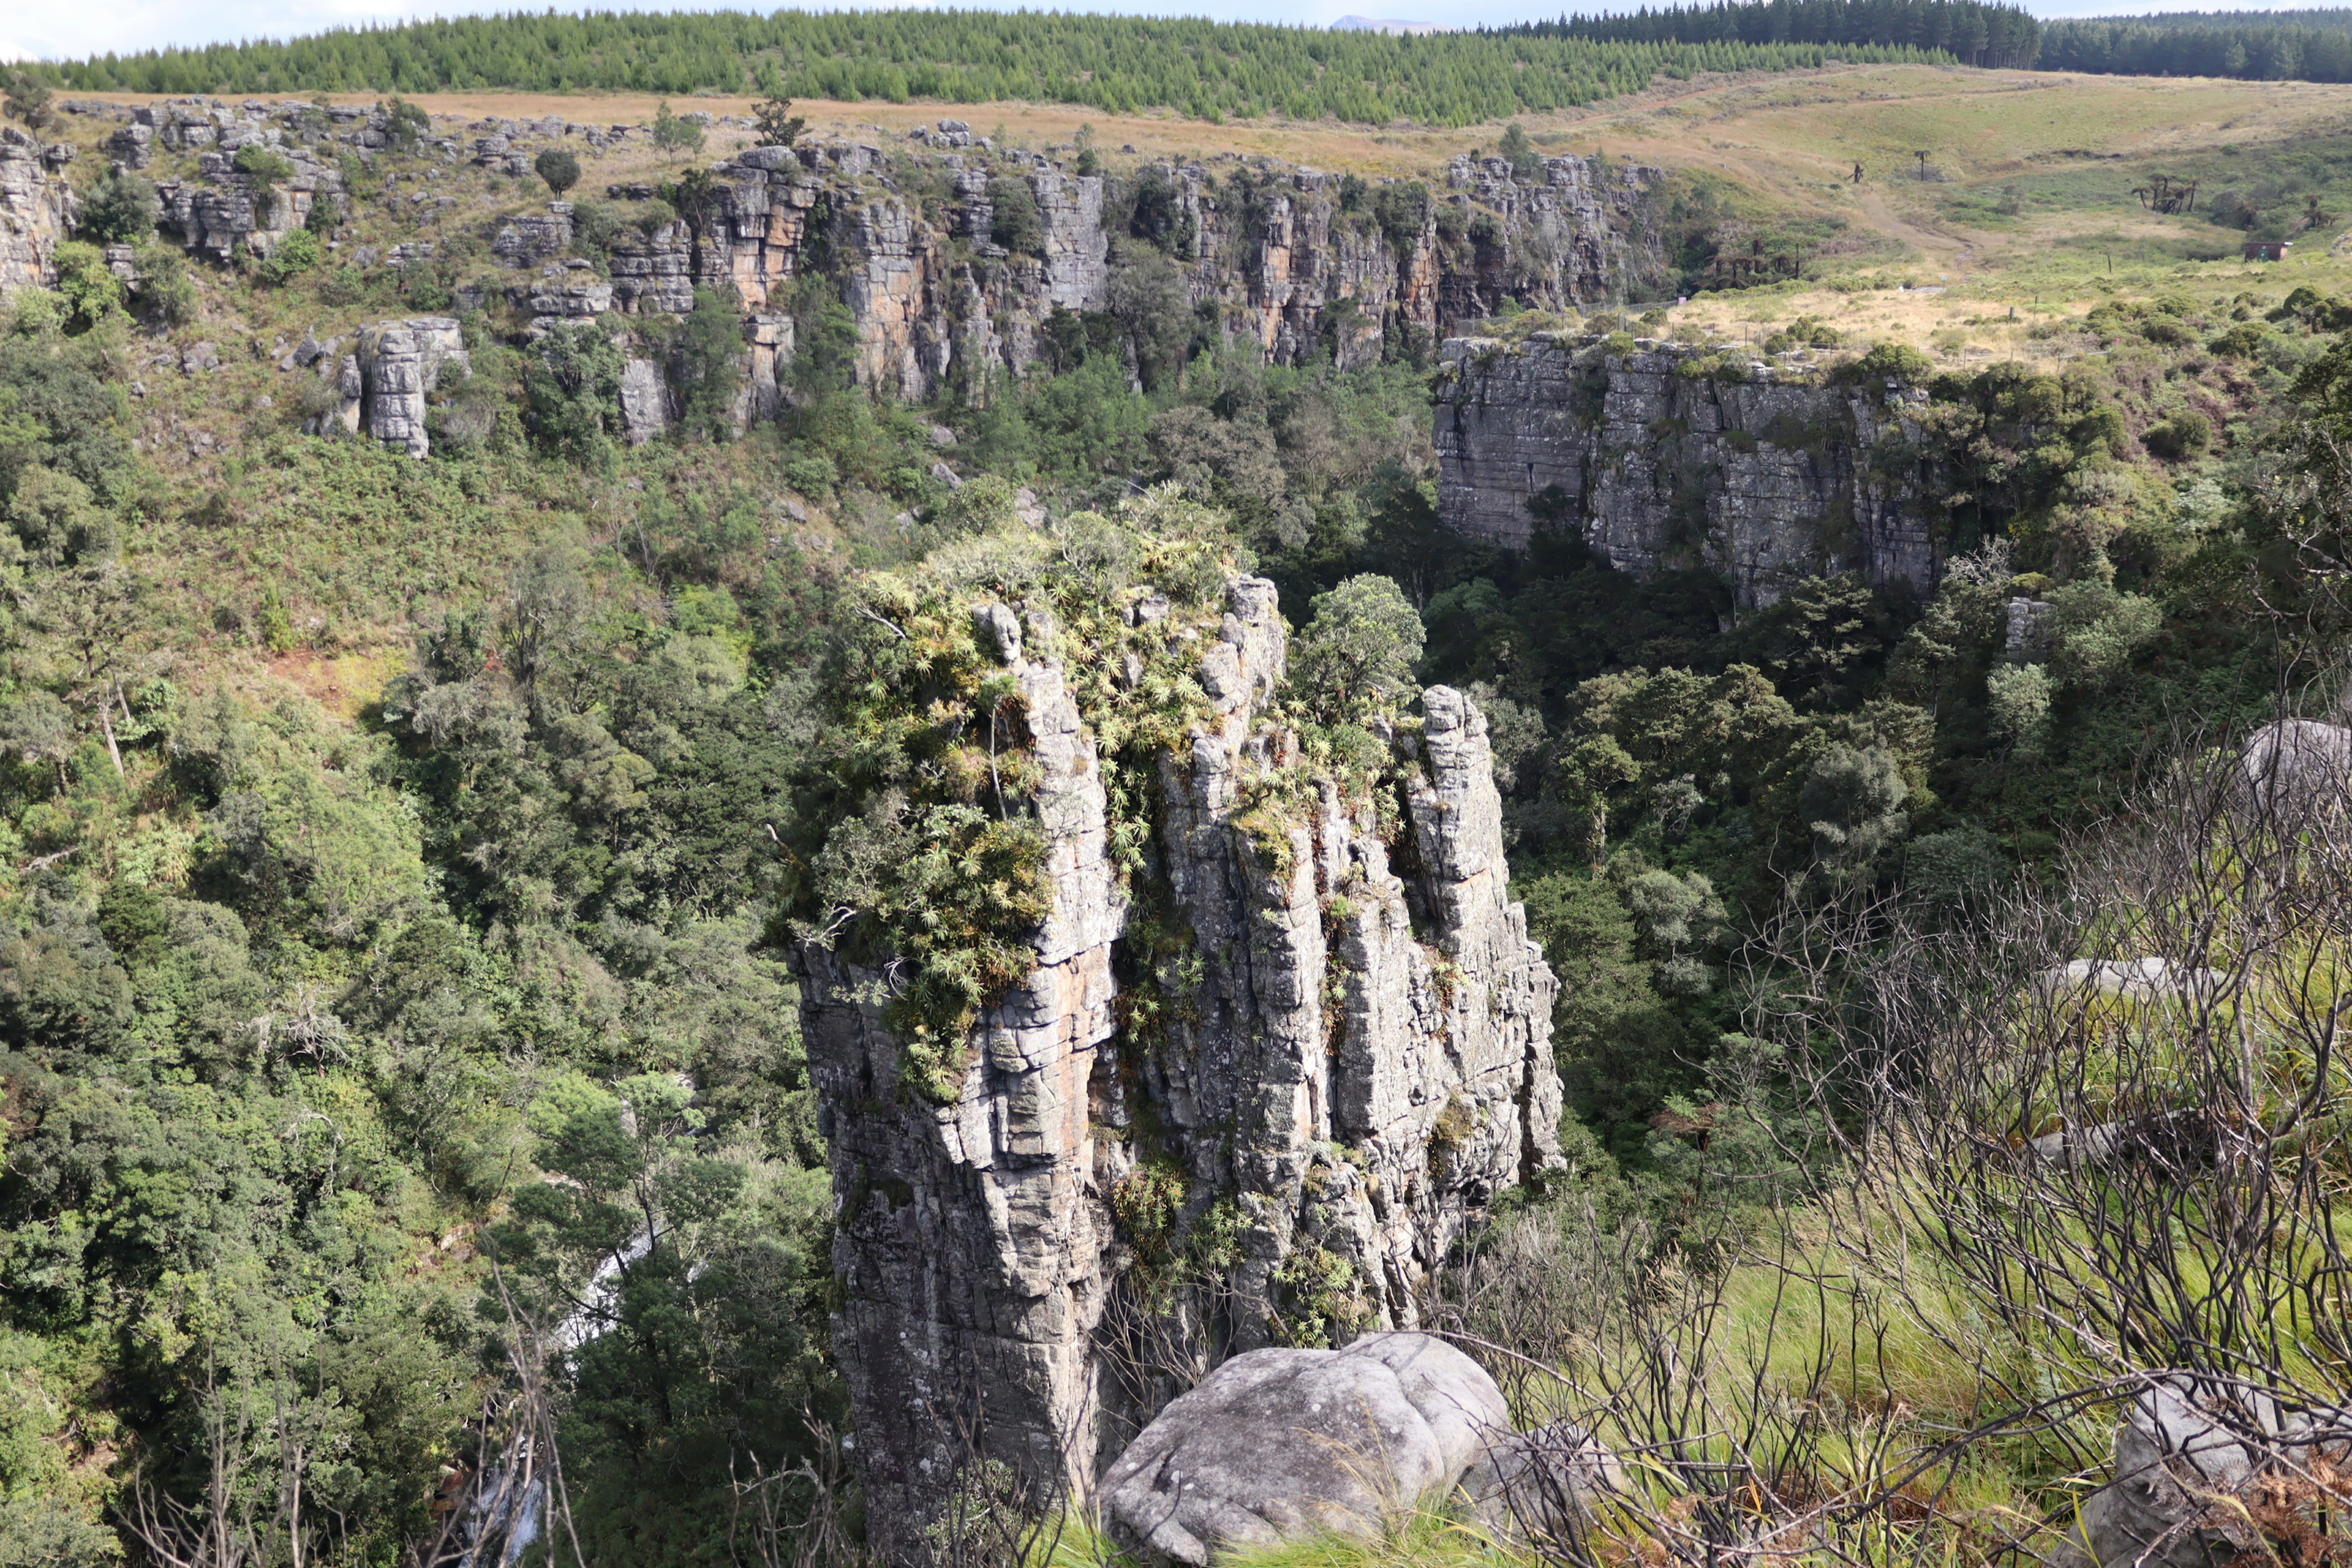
x=387, y=382
x=1319, y=1028
x=1762, y=472
x=36, y=209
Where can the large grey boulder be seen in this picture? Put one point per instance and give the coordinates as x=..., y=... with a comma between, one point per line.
x=2178, y=1464
x=1541, y=1487
x=2292, y=760
x=1279, y=1444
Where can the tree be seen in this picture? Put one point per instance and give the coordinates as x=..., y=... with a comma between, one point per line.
x=263, y=170
x=405, y=125
x=28, y=100
x=778, y=125
x=1526, y=163
x=707, y=357
x=120, y=208
x=1015, y=223
x=570, y=389
x=675, y=133
x=559, y=168
x=1356, y=658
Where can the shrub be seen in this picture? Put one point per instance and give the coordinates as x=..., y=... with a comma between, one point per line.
x=1526, y=163
x=326, y=214
x=594, y=226
x=121, y=209
x=262, y=169
x=165, y=289
x=28, y=100
x=2185, y=434
x=91, y=293
x=296, y=253
x=1887, y=362
x=559, y=168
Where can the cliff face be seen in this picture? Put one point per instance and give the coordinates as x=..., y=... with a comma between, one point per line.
x=1768, y=478
x=36, y=209
x=1288, y=258
x=1328, y=1046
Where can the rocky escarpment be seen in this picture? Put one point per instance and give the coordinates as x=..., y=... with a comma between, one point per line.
x=1295, y=1032
x=1664, y=455
x=1292, y=258
x=36, y=209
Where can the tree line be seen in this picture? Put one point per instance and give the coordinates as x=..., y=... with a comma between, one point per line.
x=1115, y=64
x=1995, y=36
x=2284, y=46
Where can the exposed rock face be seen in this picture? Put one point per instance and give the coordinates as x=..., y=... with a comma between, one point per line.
x=398, y=363
x=1353, y=1061
x=1281, y=1445
x=37, y=211
x=1272, y=251
x=222, y=209
x=1540, y=1487
x=1768, y=479
x=645, y=410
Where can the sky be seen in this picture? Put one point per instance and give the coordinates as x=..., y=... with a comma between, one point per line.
x=53, y=29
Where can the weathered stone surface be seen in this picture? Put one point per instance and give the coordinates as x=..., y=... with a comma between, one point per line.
x=398, y=364
x=1279, y=1444
x=37, y=211
x=2179, y=1467
x=1359, y=1060
x=645, y=410
x=2297, y=761
x=1767, y=480
x=1541, y=1486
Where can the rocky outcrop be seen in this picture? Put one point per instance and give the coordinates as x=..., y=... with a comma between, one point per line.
x=1328, y=1041
x=1284, y=1444
x=1667, y=456
x=223, y=211
x=36, y=209
x=1292, y=258
x=397, y=365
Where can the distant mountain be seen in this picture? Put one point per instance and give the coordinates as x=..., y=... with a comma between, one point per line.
x=1385, y=25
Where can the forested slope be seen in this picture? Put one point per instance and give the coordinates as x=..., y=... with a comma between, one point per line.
x=1117, y=64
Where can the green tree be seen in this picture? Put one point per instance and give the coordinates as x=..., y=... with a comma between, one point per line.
x=674, y=132
x=1356, y=657
x=29, y=99
x=707, y=364
x=558, y=168
x=121, y=209
x=1015, y=223
x=571, y=391
x=778, y=125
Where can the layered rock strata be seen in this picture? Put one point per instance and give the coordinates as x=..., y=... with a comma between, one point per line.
x=1664, y=456
x=1350, y=1058
x=386, y=381
x=36, y=209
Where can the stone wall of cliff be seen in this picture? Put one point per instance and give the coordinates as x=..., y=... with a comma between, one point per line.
x=36, y=209
x=1306, y=1016
x=1668, y=455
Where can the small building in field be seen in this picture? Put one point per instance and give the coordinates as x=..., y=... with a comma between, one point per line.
x=2266, y=250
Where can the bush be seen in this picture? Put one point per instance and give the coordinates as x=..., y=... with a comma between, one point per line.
x=779, y=126
x=91, y=293
x=292, y=256
x=326, y=214
x=263, y=170
x=1015, y=224
x=1526, y=163
x=2185, y=434
x=1886, y=362
x=121, y=209
x=594, y=226
x=559, y=168
x=165, y=289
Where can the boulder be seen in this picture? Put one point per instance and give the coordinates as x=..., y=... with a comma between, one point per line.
x=2176, y=1464
x=1279, y=1444
x=2299, y=759
x=1539, y=1487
